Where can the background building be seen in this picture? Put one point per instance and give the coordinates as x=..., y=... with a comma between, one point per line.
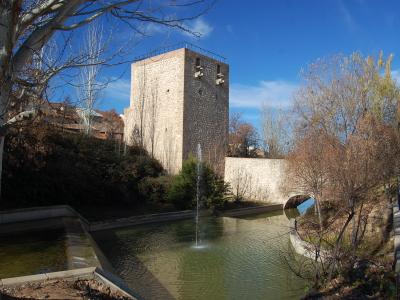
x=67, y=117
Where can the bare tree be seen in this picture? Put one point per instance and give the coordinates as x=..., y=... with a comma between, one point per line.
x=147, y=110
x=345, y=146
x=90, y=87
x=275, y=132
x=241, y=185
x=307, y=167
x=26, y=26
x=141, y=108
x=113, y=125
x=153, y=115
x=243, y=137
x=214, y=154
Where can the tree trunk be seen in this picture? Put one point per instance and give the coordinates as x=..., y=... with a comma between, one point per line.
x=337, y=244
x=5, y=88
x=1, y=162
x=356, y=227
x=13, y=60
x=318, y=208
x=398, y=190
x=7, y=21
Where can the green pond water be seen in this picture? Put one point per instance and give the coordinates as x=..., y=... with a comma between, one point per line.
x=238, y=258
x=32, y=253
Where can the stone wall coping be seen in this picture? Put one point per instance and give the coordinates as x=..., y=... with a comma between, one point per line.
x=23, y=215
x=23, y=279
x=252, y=210
x=40, y=213
x=111, y=280
x=255, y=158
x=55, y=211
x=77, y=249
x=142, y=219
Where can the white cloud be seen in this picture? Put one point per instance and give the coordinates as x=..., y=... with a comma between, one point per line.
x=196, y=28
x=229, y=28
x=118, y=90
x=199, y=27
x=347, y=16
x=276, y=94
x=151, y=28
x=396, y=76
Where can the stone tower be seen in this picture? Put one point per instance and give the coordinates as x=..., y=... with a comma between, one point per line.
x=179, y=99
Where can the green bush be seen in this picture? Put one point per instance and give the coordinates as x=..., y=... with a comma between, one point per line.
x=183, y=190
x=154, y=189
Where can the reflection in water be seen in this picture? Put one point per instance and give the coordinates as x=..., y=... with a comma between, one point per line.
x=292, y=213
x=32, y=253
x=242, y=259
x=306, y=205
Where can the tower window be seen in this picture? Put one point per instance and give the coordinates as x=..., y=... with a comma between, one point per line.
x=198, y=69
x=220, y=77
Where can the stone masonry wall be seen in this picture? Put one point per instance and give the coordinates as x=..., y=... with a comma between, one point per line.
x=257, y=178
x=206, y=110
x=156, y=107
x=172, y=112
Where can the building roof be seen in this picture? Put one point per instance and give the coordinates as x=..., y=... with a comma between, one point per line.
x=93, y=112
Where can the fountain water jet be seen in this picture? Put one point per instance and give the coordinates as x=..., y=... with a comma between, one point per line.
x=198, y=191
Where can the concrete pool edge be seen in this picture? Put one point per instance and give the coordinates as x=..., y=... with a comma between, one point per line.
x=40, y=213
x=95, y=273
x=81, y=250
x=179, y=215
x=58, y=211
x=103, y=269
x=77, y=249
x=252, y=210
x=141, y=219
x=301, y=246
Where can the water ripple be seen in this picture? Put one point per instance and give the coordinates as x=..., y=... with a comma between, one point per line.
x=237, y=259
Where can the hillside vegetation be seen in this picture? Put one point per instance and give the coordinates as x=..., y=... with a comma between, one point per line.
x=99, y=178
x=44, y=166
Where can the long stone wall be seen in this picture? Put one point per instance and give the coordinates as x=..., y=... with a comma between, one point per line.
x=257, y=178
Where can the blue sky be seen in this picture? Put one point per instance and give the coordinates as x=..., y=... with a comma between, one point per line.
x=268, y=42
